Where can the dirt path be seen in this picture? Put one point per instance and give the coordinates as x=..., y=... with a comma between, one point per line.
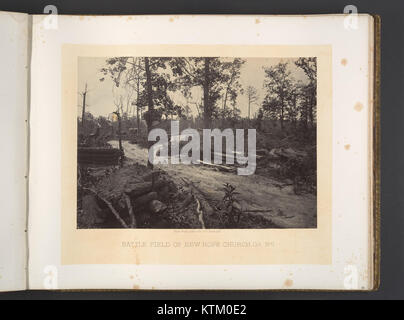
x=286, y=209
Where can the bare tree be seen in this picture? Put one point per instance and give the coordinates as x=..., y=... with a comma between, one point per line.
x=252, y=96
x=84, y=95
x=118, y=102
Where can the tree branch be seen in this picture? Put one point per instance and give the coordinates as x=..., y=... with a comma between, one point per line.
x=131, y=214
x=110, y=206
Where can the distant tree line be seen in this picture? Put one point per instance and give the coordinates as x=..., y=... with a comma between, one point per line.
x=143, y=88
x=289, y=99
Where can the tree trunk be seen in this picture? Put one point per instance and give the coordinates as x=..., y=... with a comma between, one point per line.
x=206, y=102
x=137, y=119
x=282, y=112
x=119, y=130
x=311, y=112
x=225, y=102
x=137, y=106
x=149, y=89
x=305, y=113
x=84, y=110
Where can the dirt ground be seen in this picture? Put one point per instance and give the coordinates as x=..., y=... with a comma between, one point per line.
x=261, y=197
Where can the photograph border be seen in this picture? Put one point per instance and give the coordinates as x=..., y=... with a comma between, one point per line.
x=269, y=246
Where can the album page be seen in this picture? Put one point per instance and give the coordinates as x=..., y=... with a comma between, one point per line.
x=14, y=39
x=201, y=152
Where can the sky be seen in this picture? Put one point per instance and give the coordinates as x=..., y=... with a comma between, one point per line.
x=100, y=100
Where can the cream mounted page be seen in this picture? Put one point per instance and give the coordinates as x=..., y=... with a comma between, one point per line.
x=14, y=64
x=202, y=152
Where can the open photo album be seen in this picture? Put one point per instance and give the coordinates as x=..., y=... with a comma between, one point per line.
x=190, y=152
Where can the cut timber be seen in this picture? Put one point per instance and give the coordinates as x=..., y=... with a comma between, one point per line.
x=145, y=199
x=113, y=186
x=157, y=206
x=287, y=153
x=138, y=189
x=218, y=166
x=234, y=154
x=110, y=206
x=98, y=156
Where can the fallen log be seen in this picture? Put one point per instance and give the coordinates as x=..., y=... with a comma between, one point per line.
x=156, y=206
x=138, y=189
x=110, y=206
x=145, y=199
x=287, y=153
x=234, y=154
x=105, y=156
x=218, y=166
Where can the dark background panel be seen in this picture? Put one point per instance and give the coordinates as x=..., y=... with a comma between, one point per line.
x=392, y=127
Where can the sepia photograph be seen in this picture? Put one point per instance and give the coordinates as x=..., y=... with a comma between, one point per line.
x=196, y=143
